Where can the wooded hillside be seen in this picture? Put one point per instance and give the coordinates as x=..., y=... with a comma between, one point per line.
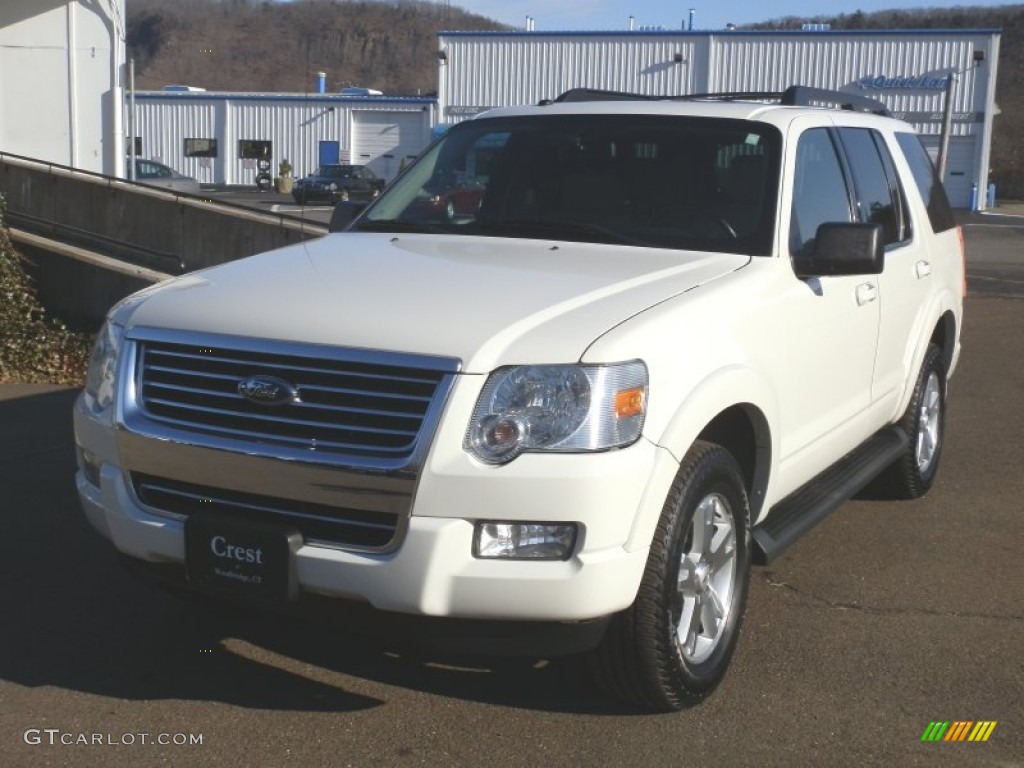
x=245, y=45
x=249, y=45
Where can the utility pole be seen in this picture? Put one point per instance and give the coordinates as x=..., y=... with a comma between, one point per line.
x=131, y=119
x=947, y=114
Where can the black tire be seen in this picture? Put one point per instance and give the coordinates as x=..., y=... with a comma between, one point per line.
x=912, y=475
x=641, y=659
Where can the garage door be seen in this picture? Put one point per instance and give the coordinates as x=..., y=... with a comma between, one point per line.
x=960, y=168
x=382, y=140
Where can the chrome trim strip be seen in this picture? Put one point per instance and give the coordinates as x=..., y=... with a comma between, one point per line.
x=299, y=349
x=276, y=419
x=258, y=508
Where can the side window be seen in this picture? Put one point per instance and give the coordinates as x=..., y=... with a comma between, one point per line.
x=895, y=187
x=878, y=202
x=820, y=193
x=932, y=192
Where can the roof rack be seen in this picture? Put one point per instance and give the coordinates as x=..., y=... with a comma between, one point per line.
x=595, y=94
x=794, y=96
x=805, y=96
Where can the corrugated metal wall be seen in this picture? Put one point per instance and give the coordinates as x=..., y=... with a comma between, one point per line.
x=843, y=63
x=484, y=70
x=905, y=70
x=295, y=127
x=163, y=127
x=499, y=70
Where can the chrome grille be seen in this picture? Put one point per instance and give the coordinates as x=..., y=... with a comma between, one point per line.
x=347, y=404
x=318, y=523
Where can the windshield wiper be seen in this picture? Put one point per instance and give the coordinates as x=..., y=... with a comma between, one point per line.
x=561, y=230
x=398, y=225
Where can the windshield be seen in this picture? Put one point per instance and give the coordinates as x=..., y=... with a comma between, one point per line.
x=667, y=182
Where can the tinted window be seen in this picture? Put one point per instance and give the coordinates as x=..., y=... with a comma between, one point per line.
x=819, y=190
x=931, y=189
x=200, y=147
x=252, y=149
x=640, y=180
x=876, y=201
x=895, y=186
x=147, y=170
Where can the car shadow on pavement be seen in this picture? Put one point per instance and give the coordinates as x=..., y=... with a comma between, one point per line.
x=74, y=619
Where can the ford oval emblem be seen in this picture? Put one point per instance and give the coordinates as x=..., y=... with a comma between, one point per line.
x=267, y=390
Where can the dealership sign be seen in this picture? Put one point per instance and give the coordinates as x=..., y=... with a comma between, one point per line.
x=920, y=82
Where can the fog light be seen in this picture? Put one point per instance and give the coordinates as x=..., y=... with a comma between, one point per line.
x=524, y=541
x=90, y=465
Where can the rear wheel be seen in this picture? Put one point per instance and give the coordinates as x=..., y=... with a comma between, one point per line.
x=913, y=474
x=672, y=647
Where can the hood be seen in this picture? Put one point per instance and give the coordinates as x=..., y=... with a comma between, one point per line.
x=485, y=301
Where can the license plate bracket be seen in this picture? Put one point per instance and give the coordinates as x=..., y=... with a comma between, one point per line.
x=241, y=559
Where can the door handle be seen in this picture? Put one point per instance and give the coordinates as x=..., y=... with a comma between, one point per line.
x=923, y=269
x=866, y=293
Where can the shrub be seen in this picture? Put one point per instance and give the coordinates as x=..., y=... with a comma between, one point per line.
x=34, y=347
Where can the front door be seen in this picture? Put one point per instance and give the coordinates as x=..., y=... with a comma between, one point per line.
x=832, y=337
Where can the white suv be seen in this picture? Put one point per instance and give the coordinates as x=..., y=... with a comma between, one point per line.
x=649, y=343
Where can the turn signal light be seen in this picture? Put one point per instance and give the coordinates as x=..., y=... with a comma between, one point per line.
x=629, y=402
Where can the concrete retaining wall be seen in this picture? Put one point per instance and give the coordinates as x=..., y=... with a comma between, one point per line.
x=155, y=228
x=93, y=240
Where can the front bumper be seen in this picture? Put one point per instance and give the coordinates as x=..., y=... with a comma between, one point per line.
x=432, y=572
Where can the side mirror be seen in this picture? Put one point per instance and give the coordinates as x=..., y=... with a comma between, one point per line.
x=345, y=212
x=844, y=249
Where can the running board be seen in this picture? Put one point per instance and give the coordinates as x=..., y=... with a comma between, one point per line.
x=796, y=514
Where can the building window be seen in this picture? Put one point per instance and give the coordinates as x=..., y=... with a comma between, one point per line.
x=138, y=146
x=200, y=147
x=252, y=149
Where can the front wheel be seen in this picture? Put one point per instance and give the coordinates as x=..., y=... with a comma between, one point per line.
x=671, y=648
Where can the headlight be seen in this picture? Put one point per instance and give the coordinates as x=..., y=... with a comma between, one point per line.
x=558, y=408
x=101, y=382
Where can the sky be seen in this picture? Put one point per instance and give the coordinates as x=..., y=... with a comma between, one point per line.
x=614, y=14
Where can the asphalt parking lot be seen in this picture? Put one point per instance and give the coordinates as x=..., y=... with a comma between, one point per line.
x=884, y=618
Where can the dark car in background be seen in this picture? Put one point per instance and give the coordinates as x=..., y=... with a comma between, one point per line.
x=331, y=183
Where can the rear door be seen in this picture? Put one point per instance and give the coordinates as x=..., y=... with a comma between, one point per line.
x=905, y=283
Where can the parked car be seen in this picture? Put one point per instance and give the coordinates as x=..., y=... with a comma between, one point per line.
x=449, y=204
x=331, y=183
x=673, y=337
x=156, y=174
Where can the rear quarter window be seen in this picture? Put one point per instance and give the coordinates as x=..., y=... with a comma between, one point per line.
x=927, y=181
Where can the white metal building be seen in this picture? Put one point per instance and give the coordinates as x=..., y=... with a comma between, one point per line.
x=219, y=137
x=61, y=76
x=906, y=69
